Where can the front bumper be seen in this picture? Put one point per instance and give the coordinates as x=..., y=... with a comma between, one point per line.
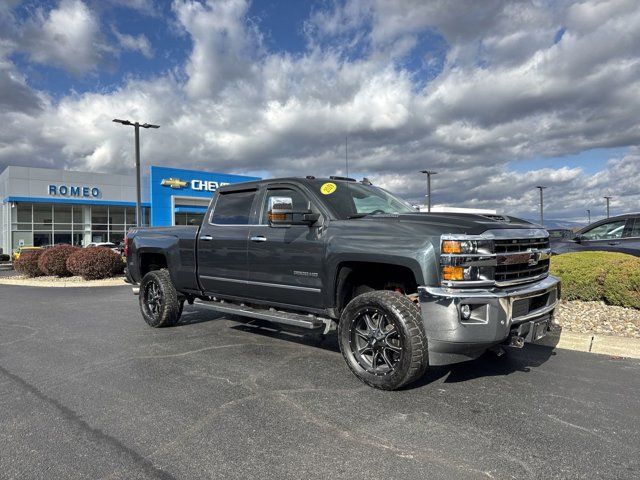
x=495, y=314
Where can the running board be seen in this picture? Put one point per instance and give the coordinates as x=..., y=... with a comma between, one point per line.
x=309, y=322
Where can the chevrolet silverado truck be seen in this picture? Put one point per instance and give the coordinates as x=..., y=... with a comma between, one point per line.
x=403, y=289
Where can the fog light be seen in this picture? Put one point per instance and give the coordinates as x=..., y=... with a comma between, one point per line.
x=465, y=311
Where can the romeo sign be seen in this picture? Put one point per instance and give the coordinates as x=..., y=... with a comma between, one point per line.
x=74, y=191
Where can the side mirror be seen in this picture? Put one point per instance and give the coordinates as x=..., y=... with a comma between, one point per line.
x=281, y=213
x=578, y=238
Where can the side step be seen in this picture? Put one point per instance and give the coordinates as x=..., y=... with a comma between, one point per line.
x=309, y=322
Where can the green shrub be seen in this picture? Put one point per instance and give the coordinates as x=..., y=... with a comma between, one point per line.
x=27, y=264
x=53, y=261
x=622, y=284
x=95, y=263
x=599, y=276
x=4, y=257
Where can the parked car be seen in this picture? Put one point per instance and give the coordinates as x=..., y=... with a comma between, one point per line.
x=22, y=250
x=116, y=248
x=404, y=289
x=614, y=234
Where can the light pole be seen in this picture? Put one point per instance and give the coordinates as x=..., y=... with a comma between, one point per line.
x=428, y=173
x=136, y=126
x=607, y=197
x=588, y=216
x=541, y=188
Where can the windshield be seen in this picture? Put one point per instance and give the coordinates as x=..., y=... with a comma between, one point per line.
x=351, y=199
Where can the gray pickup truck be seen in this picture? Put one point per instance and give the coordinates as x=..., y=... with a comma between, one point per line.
x=403, y=289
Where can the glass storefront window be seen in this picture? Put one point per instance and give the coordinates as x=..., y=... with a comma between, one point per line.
x=116, y=215
x=62, y=213
x=61, y=237
x=78, y=214
x=41, y=239
x=99, y=214
x=42, y=213
x=23, y=213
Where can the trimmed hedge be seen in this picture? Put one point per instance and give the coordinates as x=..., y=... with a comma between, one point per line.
x=4, y=257
x=27, y=264
x=95, y=263
x=599, y=276
x=53, y=261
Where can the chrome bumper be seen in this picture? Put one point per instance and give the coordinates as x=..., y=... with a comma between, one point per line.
x=494, y=314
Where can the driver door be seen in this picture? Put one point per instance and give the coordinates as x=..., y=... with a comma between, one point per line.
x=286, y=263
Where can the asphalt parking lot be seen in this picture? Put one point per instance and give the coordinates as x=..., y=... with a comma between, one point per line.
x=87, y=390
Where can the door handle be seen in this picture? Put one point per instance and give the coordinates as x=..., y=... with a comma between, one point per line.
x=258, y=238
x=206, y=238
x=614, y=243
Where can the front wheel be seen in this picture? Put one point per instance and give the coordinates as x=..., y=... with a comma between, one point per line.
x=159, y=301
x=382, y=339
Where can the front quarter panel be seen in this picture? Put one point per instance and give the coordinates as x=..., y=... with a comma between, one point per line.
x=386, y=242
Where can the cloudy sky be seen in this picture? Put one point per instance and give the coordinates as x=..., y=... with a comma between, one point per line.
x=497, y=96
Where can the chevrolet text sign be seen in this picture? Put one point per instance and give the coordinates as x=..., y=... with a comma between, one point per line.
x=197, y=185
x=170, y=186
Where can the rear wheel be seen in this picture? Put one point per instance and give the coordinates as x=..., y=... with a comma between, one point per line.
x=382, y=339
x=159, y=301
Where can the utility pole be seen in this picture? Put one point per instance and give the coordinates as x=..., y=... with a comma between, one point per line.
x=541, y=188
x=428, y=173
x=608, y=197
x=136, y=126
x=589, y=216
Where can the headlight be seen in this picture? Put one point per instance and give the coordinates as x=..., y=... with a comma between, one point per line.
x=466, y=260
x=459, y=246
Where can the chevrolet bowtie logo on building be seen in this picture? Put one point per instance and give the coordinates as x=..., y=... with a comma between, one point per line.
x=173, y=183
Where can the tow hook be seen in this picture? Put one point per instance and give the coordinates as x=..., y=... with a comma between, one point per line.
x=516, y=342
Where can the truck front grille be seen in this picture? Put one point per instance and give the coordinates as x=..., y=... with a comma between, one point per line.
x=520, y=272
x=520, y=245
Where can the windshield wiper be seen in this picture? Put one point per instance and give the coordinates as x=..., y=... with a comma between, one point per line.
x=357, y=215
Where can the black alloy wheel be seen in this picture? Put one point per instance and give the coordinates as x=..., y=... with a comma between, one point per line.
x=382, y=339
x=160, y=303
x=375, y=342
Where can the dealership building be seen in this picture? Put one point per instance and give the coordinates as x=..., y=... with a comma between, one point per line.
x=41, y=206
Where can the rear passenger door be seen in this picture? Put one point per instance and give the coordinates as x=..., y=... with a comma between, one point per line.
x=222, y=243
x=285, y=264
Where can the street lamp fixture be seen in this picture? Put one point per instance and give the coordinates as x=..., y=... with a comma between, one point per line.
x=136, y=126
x=608, y=197
x=428, y=173
x=541, y=188
x=588, y=216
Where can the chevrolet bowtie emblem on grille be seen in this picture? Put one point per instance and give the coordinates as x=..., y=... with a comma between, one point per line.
x=534, y=258
x=173, y=183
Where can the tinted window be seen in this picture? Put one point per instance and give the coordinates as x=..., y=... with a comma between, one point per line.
x=300, y=203
x=635, y=228
x=233, y=208
x=605, y=231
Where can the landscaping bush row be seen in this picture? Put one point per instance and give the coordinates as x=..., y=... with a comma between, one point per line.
x=4, y=257
x=599, y=276
x=66, y=260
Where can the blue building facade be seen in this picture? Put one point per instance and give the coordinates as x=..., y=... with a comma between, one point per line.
x=180, y=197
x=41, y=206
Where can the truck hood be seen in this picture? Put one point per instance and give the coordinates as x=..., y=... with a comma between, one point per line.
x=463, y=223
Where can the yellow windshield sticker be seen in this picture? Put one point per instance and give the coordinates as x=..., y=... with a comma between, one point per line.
x=328, y=188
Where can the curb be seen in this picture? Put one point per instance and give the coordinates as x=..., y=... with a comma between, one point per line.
x=110, y=282
x=592, y=343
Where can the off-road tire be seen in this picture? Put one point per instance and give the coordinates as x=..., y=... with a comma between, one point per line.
x=407, y=321
x=169, y=310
